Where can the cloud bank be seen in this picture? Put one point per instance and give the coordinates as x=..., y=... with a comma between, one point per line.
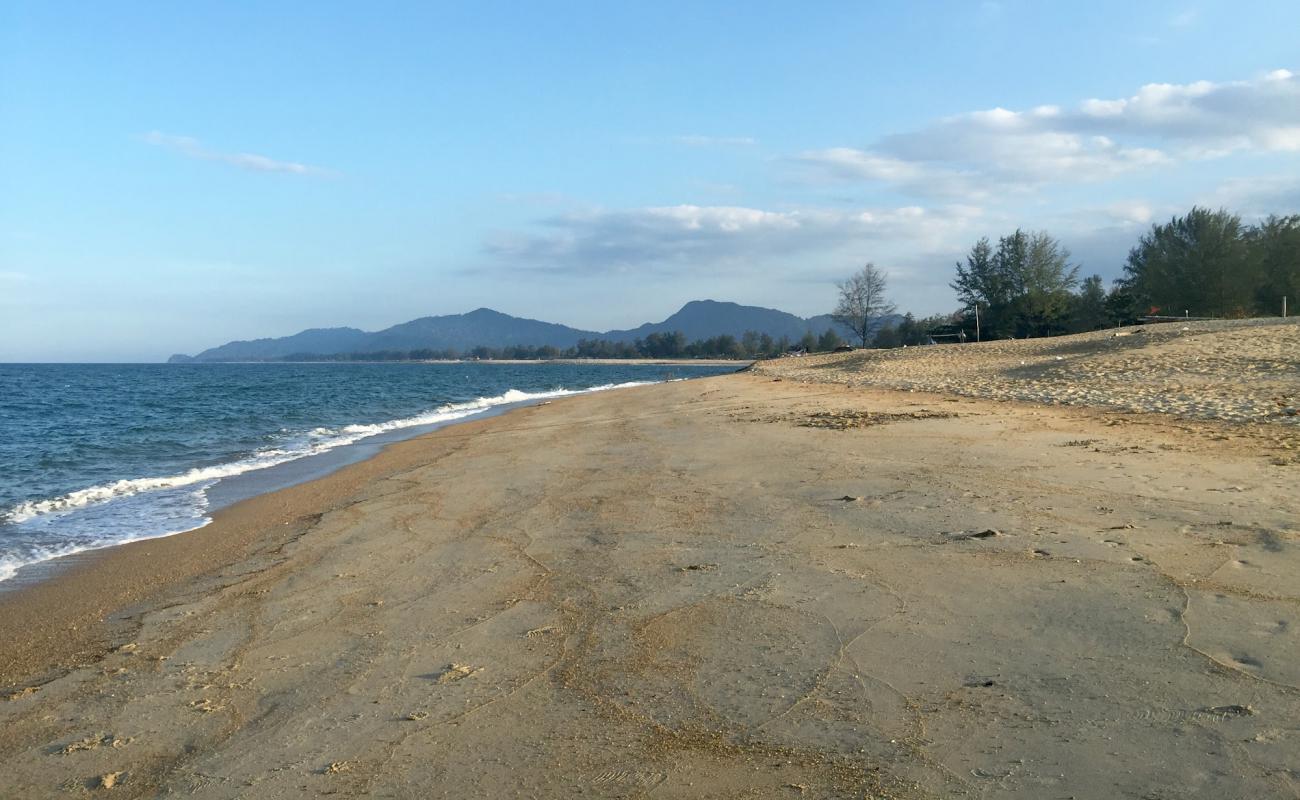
x=971, y=155
x=978, y=173
x=689, y=238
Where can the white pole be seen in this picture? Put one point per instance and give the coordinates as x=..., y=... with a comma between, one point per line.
x=1284, y=306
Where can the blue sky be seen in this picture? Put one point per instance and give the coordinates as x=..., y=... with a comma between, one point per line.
x=176, y=175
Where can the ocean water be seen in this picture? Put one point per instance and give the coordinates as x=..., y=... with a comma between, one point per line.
x=93, y=455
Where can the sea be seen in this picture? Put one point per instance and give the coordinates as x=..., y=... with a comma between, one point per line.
x=95, y=455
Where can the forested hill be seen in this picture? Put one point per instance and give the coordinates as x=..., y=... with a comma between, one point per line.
x=699, y=319
x=704, y=319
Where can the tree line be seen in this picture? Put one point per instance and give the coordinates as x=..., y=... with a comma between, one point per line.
x=1202, y=264
x=750, y=345
x=1208, y=263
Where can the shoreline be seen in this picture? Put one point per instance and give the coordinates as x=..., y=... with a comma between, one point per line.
x=84, y=622
x=631, y=362
x=234, y=488
x=702, y=588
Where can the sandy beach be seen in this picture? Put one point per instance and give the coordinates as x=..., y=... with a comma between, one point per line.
x=1067, y=570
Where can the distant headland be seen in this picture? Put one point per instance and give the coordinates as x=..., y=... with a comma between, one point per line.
x=715, y=328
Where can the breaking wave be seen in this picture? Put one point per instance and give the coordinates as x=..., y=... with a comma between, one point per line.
x=149, y=507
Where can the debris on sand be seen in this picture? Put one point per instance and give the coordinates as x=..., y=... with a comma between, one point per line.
x=848, y=418
x=698, y=568
x=989, y=774
x=110, y=779
x=963, y=536
x=206, y=705
x=18, y=694
x=1230, y=711
x=456, y=672
x=93, y=743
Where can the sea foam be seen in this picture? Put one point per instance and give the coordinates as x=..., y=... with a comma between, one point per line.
x=150, y=507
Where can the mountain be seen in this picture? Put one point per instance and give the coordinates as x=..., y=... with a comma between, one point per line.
x=704, y=319
x=313, y=340
x=698, y=319
x=459, y=332
x=823, y=321
x=465, y=331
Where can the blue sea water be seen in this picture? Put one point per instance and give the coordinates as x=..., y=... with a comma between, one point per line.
x=93, y=455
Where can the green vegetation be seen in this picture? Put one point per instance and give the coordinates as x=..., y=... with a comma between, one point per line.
x=751, y=345
x=911, y=331
x=1208, y=264
x=1204, y=264
x=1022, y=288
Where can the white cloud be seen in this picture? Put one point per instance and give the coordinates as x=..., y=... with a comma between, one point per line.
x=1135, y=212
x=1103, y=108
x=998, y=149
x=852, y=163
x=193, y=148
x=689, y=238
x=1258, y=196
x=1253, y=115
x=913, y=176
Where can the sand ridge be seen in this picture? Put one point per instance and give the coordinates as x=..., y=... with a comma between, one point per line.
x=1237, y=371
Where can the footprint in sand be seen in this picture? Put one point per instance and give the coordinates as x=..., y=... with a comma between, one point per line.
x=638, y=780
x=1246, y=661
x=1169, y=616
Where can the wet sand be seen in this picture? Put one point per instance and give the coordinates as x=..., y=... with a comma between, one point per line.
x=728, y=587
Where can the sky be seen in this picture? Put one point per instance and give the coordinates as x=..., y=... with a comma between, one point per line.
x=177, y=175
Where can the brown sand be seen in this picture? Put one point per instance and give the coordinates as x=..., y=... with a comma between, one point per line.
x=1230, y=370
x=731, y=587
